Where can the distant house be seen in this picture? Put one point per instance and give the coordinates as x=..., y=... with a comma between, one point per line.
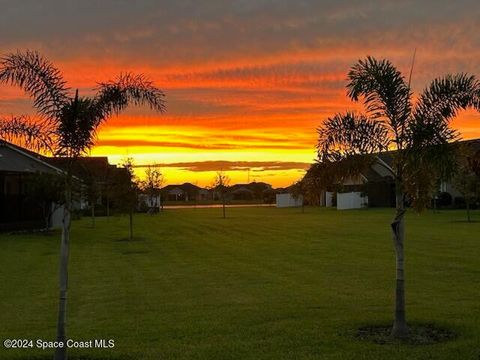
x=177, y=194
x=204, y=195
x=240, y=192
x=17, y=210
x=259, y=191
x=185, y=192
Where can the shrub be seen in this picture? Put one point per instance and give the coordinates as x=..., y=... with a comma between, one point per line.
x=444, y=199
x=459, y=202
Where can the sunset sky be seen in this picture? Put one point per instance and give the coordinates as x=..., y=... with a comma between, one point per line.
x=247, y=82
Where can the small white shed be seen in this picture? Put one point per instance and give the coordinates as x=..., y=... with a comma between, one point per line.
x=328, y=199
x=287, y=200
x=56, y=219
x=351, y=200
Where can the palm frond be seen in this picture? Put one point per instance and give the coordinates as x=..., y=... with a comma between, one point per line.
x=128, y=89
x=347, y=144
x=320, y=177
x=385, y=93
x=438, y=105
x=24, y=132
x=38, y=78
x=350, y=134
x=77, y=127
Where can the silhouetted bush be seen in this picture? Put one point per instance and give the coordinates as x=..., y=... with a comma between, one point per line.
x=444, y=199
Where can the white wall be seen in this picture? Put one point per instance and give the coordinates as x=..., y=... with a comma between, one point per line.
x=153, y=201
x=328, y=199
x=287, y=200
x=56, y=221
x=351, y=200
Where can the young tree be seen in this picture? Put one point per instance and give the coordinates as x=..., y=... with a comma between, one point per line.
x=220, y=185
x=319, y=178
x=125, y=190
x=92, y=192
x=466, y=180
x=151, y=186
x=108, y=189
x=69, y=125
x=419, y=132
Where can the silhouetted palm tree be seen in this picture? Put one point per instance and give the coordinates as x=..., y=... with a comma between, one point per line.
x=68, y=125
x=419, y=132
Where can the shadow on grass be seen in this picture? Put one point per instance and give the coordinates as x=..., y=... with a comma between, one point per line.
x=35, y=232
x=135, y=252
x=49, y=253
x=419, y=334
x=135, y=239
x=465, y=221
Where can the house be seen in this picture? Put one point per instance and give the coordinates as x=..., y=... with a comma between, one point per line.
x=376, y=186
x=17, y=209
x=95, y=172
x=252, y=191
x=240, y=192
x=204, y=194
x=185, y=192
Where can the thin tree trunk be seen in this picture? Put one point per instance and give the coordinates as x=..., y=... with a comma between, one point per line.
x=223, y=203
x=61, y=352
x=467, y=203
x=93, y=215
x=108, y=208
x=131, y=224
x=49, y=222
x=46, y=217
x=399, y=329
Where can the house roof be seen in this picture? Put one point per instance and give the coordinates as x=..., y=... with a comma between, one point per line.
x=20, y=159
x=96, y=167
x=14, y=158
x=241, y=189
x=253, y=186
x=186, y=187
x=387, y=157
x=385, y=160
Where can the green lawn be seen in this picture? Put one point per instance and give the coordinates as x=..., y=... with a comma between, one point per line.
x=264, y=283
